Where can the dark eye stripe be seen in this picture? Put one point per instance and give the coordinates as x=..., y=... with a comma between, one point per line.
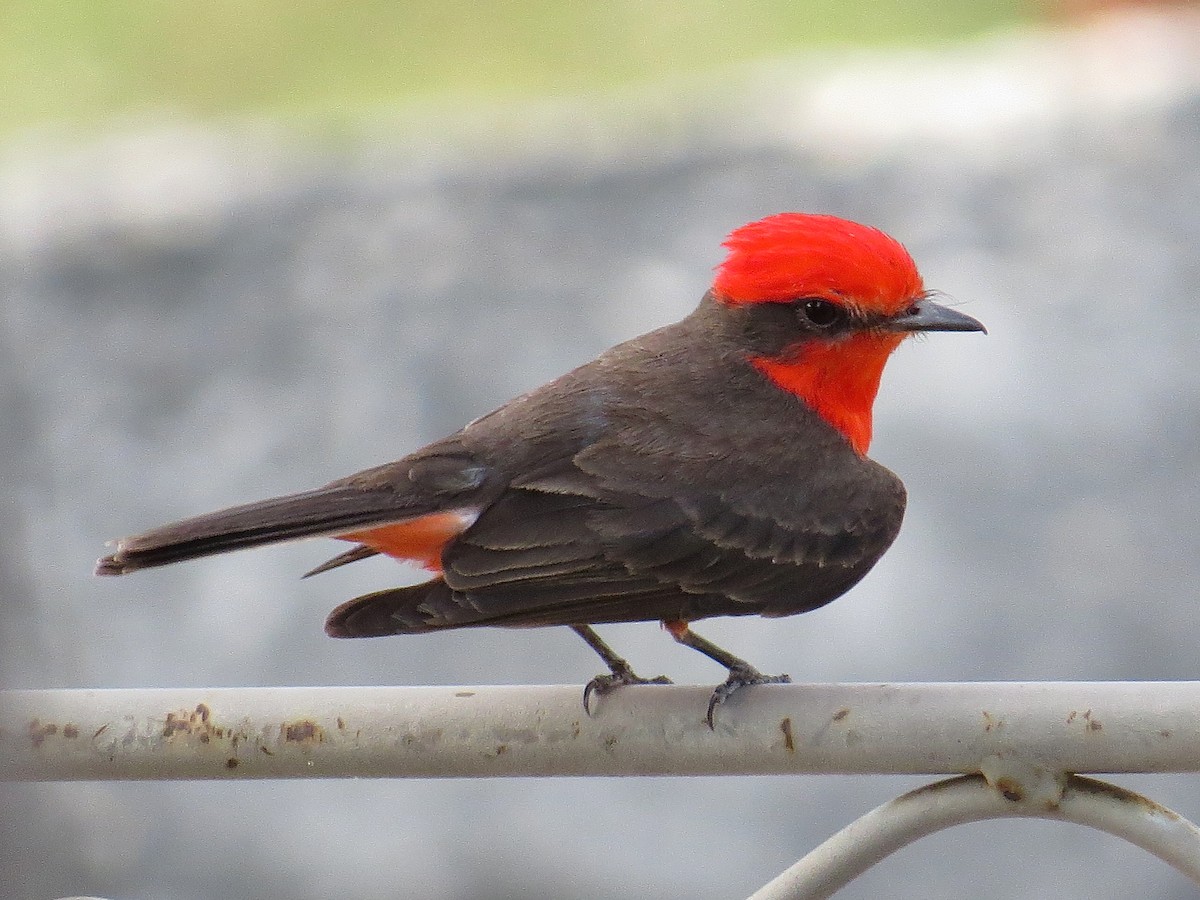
x=822, y=313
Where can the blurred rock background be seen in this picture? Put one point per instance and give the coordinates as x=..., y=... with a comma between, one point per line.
x=245, y=249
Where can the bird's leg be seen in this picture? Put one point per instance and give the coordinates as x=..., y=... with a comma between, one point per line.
x=620, y=671
x=741, y=673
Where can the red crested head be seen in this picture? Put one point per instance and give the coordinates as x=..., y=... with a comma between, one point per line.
x=790, y=256
x=853, y=293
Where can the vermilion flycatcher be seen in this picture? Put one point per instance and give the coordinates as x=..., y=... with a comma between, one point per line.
x=714, y=467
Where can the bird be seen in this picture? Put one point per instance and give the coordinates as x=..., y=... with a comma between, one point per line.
x=714, y=467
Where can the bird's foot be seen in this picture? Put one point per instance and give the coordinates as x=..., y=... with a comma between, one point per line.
x=740, y=677
x=620, y=676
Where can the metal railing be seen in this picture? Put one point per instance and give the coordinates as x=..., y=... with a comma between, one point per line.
x=1019, y=747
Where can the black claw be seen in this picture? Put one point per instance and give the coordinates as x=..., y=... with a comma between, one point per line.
x=739, y=678
x=604, y=684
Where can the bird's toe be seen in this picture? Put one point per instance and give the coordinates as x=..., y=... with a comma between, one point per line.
x=609, y=682
x=740, y=677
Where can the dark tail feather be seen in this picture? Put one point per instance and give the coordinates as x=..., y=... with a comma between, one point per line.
x=325, y=511
x=394, y=611
x=433, y=606
x=354, y=554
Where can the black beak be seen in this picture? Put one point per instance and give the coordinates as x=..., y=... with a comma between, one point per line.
x=925, y=315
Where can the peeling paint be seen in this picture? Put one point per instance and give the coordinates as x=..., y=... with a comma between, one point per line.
x=303, y=732
x=197, y=722
x=789, y=742
x=38, y=732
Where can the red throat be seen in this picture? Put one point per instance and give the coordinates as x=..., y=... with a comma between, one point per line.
x=838, y=381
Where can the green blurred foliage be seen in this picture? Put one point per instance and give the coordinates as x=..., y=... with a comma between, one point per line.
x=83, y=62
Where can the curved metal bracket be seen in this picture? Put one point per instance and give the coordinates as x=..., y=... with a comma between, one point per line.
x=971, y=798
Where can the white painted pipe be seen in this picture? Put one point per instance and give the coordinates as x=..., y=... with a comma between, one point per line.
x=421, y=732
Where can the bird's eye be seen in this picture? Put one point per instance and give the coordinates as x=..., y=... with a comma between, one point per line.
x=821, y=313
